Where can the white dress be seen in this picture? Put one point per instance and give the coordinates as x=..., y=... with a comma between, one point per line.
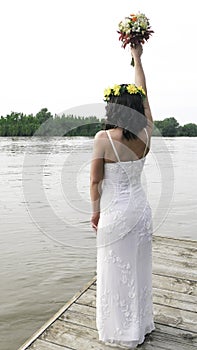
x=124, y=308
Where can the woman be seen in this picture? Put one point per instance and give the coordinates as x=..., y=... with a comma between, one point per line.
x=121, y=215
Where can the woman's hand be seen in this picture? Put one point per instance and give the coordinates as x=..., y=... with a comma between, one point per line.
x=136, y=51
x=94, y=220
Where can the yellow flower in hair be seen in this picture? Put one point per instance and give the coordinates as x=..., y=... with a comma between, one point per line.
x=116, y=90
x=107, y=92
x=132, y=89
x=140, y=88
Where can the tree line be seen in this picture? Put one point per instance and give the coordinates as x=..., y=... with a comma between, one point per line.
x=45, y=124
x=171, y=127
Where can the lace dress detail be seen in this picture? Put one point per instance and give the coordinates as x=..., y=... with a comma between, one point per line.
x=124, y=256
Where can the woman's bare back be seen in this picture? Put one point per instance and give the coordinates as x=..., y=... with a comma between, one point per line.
x=128, y=150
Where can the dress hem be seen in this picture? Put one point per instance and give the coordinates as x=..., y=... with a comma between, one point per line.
x=128, y=344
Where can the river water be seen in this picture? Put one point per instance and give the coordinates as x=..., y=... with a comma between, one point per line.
x=47, y=247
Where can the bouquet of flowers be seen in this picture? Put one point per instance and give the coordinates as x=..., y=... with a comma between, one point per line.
x=134, y=30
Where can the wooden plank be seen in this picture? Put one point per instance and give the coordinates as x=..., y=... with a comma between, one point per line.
x=150, y=346
x=88, y=299
x=163, y=313
x=93, y=287
x=189, y=336
x=79, y=319
x=157, y=340
x=90, y=322
x=163, y=297
x=169, y=241
x=82, y=338
x=56, y=315
x=159, y=346
x=175, y=251
x=182, y=319
x=74, y=336
x=185, y=264
x=84, y=309
x=177, y=270
x=175, y=300
x=186, y=335
x=45, y=345
x=173, y=284
x=169, y=342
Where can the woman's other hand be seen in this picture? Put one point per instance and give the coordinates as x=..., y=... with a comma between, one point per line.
x=94, y=220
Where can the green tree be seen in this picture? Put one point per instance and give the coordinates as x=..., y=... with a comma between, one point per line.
x=189, y=129
x=167, y=127
x=43, y=115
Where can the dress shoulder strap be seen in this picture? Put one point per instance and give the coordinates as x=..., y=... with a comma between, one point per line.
x=113, y=146
x=147, y=142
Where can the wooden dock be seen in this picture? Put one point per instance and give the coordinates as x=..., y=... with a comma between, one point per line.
x=73, y=327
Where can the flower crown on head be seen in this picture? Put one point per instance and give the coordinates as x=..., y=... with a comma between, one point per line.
x=118, y=90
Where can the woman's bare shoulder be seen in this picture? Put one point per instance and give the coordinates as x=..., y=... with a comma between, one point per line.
x=100, y=135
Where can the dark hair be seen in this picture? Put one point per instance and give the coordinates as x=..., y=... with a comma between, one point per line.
x=126, y=111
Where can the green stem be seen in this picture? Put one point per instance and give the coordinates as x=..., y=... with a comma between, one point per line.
x=132, y=62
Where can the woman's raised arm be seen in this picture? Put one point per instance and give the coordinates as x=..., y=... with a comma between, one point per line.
x=140, y=80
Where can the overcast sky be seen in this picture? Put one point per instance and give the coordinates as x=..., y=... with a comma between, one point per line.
x=60, y=54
